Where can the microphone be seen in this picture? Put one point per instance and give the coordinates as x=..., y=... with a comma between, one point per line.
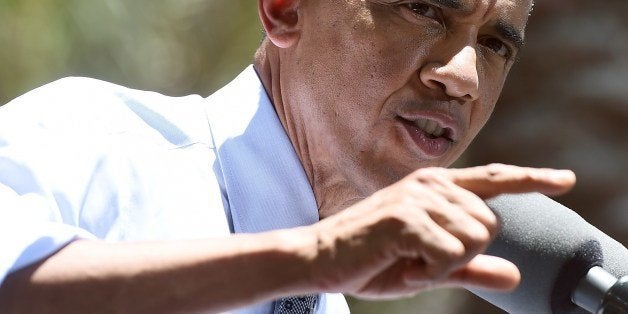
x=600, y=292
x=566, y=264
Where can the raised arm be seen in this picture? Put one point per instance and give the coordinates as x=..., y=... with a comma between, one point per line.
x=426, y=231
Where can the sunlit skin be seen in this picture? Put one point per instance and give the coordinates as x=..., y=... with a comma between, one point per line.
x=377, y=98
x=358, y=67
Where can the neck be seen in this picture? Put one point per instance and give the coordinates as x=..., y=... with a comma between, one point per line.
x=332, y=190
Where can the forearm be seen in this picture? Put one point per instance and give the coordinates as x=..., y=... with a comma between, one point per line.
x=210, y=275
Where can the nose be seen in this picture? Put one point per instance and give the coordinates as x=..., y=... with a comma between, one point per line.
x=457, y=77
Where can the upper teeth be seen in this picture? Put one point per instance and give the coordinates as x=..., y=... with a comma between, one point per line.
x=430, y=127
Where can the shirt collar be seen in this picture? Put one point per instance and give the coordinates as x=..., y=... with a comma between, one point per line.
x=263, y=183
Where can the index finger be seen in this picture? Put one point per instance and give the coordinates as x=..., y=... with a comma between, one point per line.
x=492, y=180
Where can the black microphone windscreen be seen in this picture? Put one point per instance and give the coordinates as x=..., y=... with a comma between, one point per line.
x=553, y=248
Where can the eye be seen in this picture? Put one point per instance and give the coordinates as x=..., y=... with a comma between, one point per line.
x=497, y=46
x=424, y=9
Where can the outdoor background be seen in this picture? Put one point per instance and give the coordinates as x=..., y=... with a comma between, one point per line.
x=565, y=104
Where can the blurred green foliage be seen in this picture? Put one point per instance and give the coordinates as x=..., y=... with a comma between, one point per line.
x=175, y=47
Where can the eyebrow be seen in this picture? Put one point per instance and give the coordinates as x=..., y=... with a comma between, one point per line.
x=510, y=33
x=451, y=4
x=503, y=28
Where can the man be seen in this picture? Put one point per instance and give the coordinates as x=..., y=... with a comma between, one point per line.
x=358, y=106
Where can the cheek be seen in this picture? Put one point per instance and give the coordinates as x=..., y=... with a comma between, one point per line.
x=360, y=62
x=480, y=117
x=382, y=60
x=485, y=106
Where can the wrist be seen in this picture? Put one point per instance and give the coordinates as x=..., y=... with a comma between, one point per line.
x=299, y=247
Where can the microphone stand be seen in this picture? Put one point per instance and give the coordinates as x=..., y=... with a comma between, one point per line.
x=599, y=292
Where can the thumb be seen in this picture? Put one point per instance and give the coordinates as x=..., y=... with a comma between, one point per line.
x=483, y=271
x=487, y=272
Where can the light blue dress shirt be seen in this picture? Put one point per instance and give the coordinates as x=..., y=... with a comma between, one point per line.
x=82, y=158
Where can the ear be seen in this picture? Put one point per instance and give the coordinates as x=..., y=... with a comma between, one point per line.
x=280, y=19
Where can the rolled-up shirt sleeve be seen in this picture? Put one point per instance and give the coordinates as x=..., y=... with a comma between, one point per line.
x=81, y=158
x=37, y=217
x=31, y=224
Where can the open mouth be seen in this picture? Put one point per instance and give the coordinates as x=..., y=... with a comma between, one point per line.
x=433, y=129
x=432, y=138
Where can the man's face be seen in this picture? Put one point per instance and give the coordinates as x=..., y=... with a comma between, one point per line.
x=381, y=87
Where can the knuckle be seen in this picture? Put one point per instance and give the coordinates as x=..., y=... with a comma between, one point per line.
x=479, y=238
x=496, y=169
x=427, y=170
x=429, y=174
x=454, y=252
x=533, y=176
x=396, y=220
x=401, y=187
x=408, y=187
x=527, y=176
x=492, y=227
x=399, y=221
x=488, y=218
x=450, y=257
